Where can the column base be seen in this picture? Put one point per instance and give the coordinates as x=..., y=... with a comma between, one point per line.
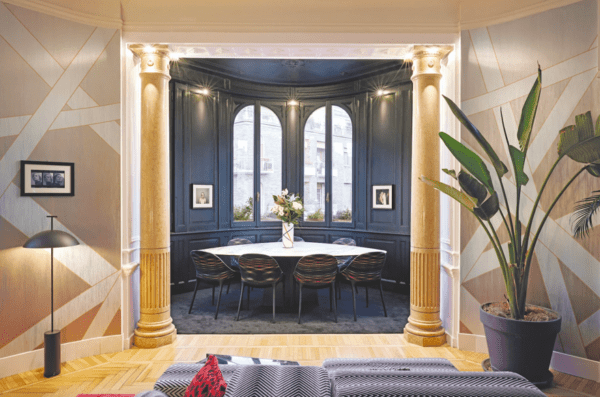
x=424, y=338
x=150, y=342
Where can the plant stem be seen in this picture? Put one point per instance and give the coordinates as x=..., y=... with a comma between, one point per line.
x=539, y=230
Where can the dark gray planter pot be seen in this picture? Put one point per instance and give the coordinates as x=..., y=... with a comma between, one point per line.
x=524, y=347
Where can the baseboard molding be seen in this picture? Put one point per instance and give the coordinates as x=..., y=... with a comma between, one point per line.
x=450, y=340
x=561, y=362
x=28, y=361
x=577, y=366
x=128, y=342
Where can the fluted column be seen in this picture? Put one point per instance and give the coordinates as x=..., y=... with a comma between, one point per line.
x=424, y=326
x=155, y=327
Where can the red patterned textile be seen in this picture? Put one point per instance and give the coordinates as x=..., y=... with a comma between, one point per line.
x=208, y=382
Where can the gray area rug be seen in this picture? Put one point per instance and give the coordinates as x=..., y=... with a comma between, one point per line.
x=316, y=317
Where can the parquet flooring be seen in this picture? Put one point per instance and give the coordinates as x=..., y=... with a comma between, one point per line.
x=134, y=370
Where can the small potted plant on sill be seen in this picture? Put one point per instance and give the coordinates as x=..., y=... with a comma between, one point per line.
x=289, y=208
x=520, y=337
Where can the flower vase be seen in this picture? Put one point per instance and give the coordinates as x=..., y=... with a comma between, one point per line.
x=287, y=235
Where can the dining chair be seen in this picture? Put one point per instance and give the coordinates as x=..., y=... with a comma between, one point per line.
x=259, y=271
x=316, y=272
x=365, y=270
x=212, y=270
x=237, y=241
x=344, y=261
x=296, y=239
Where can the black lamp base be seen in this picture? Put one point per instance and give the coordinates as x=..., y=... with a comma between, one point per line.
x=51, y=353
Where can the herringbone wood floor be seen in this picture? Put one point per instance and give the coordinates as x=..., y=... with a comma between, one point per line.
x=134, y=370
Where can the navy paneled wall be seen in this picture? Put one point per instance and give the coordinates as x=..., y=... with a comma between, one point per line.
x=201, y=153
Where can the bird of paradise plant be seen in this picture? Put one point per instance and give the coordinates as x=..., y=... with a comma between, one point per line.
x=580, y=142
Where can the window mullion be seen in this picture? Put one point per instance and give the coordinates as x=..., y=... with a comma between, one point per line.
x=257, y=198
x=328, y=163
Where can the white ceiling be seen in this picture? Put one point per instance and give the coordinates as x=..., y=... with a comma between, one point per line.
x=331, y=16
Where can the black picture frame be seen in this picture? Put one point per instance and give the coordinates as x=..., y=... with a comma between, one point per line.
x=43, y=178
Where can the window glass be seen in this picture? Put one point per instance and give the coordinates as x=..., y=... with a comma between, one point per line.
x=341, y=165
x=270, y=162
x=314, y=167
x=243, y=165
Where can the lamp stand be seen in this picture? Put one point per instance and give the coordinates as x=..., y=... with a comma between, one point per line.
x=51, y=338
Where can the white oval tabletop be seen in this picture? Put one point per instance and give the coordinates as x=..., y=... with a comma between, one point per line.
x=300, y=249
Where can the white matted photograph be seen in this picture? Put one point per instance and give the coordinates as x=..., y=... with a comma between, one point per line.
x=382, y=197
x=202, y=196
x=42, y=178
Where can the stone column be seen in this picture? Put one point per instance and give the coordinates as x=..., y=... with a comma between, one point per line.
x=424, y=326
x=155, y=327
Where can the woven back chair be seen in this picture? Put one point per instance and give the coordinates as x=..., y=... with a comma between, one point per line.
x=316, y=271
x=365, y=270
x=259, y=271
x=211, y=269
x=237, y=241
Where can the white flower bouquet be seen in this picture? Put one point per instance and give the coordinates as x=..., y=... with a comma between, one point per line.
x=288, y=207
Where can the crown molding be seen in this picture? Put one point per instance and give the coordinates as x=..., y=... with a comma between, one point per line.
x=514, y=15
x=251, y=27
x=67, y=13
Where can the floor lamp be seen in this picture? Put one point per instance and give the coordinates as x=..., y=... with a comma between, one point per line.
x=51, y=239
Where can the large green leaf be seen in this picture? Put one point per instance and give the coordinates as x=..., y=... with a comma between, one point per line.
x=469, y=159
x=518, y=159
x=456, y=194
x=489, y=208
x=452, y=173
x=584, y=214
x=528, y=113
x=471, y=186
x=498, y=165
x=579, y=141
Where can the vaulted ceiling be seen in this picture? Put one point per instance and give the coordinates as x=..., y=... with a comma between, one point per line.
x=373, y=16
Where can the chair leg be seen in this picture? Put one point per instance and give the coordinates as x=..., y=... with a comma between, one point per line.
x=367, y=293
x=240, y=304
x=213, y=296
x=193, y=297
x=354, y=290
x=382, y=302
x=300, y=305
x=339, y=289
x=219, y=300
x=248, y=304
x=283, y=283
x=228, y=285
x=274, y=293
x=334, y=303
x=331, y=298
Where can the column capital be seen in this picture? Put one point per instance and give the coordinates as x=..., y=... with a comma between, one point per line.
x=155, y=57
x=426, y=59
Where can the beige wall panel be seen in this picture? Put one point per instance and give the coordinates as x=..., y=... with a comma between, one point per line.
x=61, y=38
x=76, y=330
x=536, y=289
x=474, y=85
x=548, y=98
x=114, y=328
x=97, y=188
x=489, y=287
x=468, y=226
x=593, y=350
x=548, y=38
x=23, y=90
x=584, y=301
x=103, y=82
x=25, y=275
x=5, y=143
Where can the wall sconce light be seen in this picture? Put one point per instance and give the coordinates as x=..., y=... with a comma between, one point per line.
x=292, y=102
x=174, y=56
x=149, y=49
x=381, y=92
x=203, y=91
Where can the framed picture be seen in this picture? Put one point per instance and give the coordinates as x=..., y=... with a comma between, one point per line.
x=40, y=178
x=383, y=197
x=202, y=196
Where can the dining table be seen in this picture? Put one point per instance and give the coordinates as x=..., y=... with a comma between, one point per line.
x=288, y=257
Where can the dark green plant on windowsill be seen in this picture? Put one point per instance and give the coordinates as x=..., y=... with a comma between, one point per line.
x=580, y=142
x=343, y=216
x=316, y=216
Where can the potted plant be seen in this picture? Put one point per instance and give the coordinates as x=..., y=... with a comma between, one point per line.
x=520, y=337
x=289, y=208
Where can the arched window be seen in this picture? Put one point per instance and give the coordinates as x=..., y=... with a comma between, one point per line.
x=257, y=164
x=328, y=166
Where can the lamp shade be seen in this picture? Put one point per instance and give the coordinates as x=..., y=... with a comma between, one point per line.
x=51, y=239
